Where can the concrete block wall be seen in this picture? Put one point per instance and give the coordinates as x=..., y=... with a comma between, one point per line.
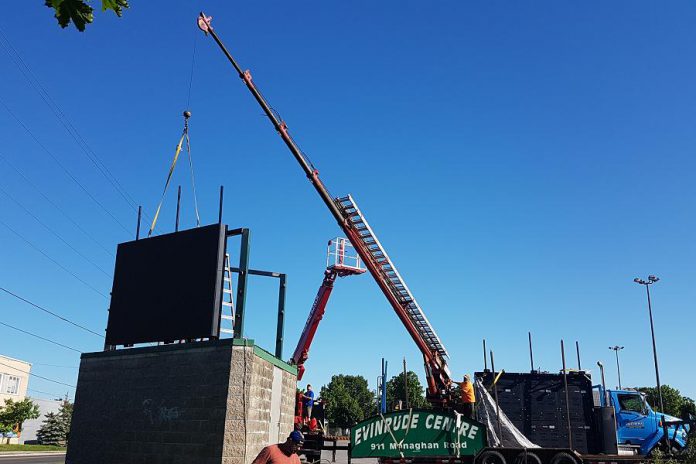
x=207, y=402
x=265, y=414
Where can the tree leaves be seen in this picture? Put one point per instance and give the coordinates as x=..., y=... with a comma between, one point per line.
x=348, y=400
x=76, y=11
x=56, y=427
x=116, y=5
x=675, y=404
x=16, y=412
x=80, y=13
x=396, y=389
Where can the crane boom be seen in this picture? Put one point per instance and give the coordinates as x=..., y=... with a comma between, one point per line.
x=354, y=225
x=343, y=265
x=315, y=315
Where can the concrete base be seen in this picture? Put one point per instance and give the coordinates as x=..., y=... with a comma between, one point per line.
x=216, y=402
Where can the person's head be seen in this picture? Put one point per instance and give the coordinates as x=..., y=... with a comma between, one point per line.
x=467, y=378
x=309, y=387
x=294, y=443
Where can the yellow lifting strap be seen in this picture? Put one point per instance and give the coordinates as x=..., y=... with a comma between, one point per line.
x=169, y=178
x=177, y=152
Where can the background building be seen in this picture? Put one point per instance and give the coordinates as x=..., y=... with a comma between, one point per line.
x=14, y=380
x=30, y=427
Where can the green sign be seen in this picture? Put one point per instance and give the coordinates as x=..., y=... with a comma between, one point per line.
x=418, y=432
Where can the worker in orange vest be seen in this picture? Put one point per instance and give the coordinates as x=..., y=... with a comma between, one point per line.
x=468, y=397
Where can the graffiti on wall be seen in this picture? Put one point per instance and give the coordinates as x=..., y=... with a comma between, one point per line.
x=159, y=414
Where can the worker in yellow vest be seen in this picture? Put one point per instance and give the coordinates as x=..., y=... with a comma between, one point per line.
x=468, y=397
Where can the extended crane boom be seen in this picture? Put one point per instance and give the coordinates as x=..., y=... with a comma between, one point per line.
x=336, y=267
x=358, y=231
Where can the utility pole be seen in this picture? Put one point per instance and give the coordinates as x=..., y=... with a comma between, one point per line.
x=405, y=384
x=618, y=367
x=651, y=280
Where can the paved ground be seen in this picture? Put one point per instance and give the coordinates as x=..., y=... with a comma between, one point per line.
x=45, y=459
x=326, y=456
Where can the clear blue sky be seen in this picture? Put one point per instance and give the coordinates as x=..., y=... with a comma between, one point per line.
x=520, y=163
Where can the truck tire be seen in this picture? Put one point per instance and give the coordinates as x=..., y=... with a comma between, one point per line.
x=527, y=458
x=490, y=457
x=564, y=458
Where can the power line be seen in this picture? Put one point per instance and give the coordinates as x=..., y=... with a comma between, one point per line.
x=50, y=312
x=63, y=119
x=39, y=337
x=50, y=259
x=55, y=365
x=62, y=166
x=36, y=375
x=52, y=395
x=26, y=210
x=58, y=208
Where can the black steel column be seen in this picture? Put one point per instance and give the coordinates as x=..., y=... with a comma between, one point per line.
x=178, y=209
x=577, y=349
x=222, y=191
x=567, y=397
x=137, y=229
x=281, y=317
x=497, y=405
x=531, y=352
x=241, y=284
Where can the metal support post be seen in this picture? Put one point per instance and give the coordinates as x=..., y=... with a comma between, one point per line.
x=242, y=283
x=281, y=317
x=577, y=349
x=651, y=280
x=405, y=384
x=383, y=393
x=178, y=209
x=605, y=394
x=567, y=397
x=222, y=191
x=485, y=357
x=137, y=229
x=531, y=352
x=495, y=395
x=657, y=369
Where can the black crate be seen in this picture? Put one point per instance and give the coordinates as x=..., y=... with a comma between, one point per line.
x=536, y=405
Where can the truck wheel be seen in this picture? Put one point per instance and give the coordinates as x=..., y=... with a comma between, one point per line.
x=527, y=458
x=490, y=457
x=564, y=458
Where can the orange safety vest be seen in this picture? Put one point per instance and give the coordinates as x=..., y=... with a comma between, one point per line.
x=467, y=392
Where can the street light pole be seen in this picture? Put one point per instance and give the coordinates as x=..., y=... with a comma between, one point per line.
x=618, y=367
x=651, y=280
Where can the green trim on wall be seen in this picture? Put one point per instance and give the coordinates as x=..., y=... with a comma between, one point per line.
x=265, y=355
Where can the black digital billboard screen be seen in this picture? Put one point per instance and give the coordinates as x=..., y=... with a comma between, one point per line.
x=168, y=287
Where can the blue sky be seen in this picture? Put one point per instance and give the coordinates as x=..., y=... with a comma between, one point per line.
x=520, y=163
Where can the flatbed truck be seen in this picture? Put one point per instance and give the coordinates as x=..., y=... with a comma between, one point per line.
x=462, y=440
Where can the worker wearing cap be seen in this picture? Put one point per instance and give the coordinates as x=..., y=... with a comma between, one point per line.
x=282, y=453
x=468, y=397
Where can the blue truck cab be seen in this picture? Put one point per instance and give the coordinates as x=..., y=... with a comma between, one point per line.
x=638, y=425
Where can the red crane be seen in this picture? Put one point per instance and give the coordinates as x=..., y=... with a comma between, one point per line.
x=368, y=247
x=338, y=264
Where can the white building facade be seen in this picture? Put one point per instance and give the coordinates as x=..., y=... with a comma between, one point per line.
x=14, y=381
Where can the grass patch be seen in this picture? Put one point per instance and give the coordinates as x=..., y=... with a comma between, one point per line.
x=31, y=448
